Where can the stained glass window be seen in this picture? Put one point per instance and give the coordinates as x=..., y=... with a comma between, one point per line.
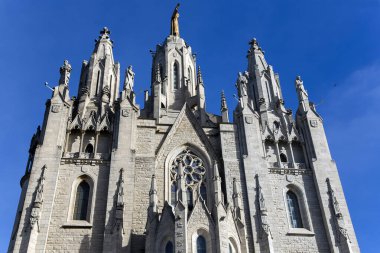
x=81, y=201
x=294, y=210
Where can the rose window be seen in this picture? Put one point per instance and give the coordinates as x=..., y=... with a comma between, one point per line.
x=193, y=168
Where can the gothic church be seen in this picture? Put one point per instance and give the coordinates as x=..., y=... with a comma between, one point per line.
x=106, y=175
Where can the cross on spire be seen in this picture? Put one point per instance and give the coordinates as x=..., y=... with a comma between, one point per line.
x=254, y=45
x=105, y=33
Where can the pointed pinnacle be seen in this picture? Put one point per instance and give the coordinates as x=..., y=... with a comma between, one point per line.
x=153, y=186
x=223, y=102
x=158, y=74
x=199, y=75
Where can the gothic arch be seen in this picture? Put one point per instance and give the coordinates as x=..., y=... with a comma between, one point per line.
x=303, y=205
x=162, y=242
x=232, y=243
x=90, y=204
x=176, y=75
x=205, y=233
x=205, y=157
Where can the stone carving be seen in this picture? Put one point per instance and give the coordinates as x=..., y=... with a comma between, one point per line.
x=55, y=108
x=341, y=227
x=125, y=112
x=65, y=70
x=120, y=192
x=263, y=213
x=174, y=28
x=270, y=153
x=236, y=199
x=129, y=79
x=118, y=225
x=300, y=87
x=248, y=119
x=194, y=170
x=313, y=123
x=106, y=94
x=37, y=204
x=104, y=33
x=242, y=83
x=76, y=144
x=84, y=91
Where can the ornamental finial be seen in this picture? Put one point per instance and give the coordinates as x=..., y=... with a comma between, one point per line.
x=105, y=32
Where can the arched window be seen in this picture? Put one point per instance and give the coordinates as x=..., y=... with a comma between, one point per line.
x=176, y=75
x=201, y=244
x=230, y=250
x=203, y=192
x=97, y=83
x=190, y=76
x=169, y=247
x=162, y=73
x=173, y=193
x=283, y=158
x=189, y=195
x=294, y=210
x=193, y=171
x=89, y=149
x=81, y=201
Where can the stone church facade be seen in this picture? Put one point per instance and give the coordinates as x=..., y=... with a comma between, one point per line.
x=105, y=175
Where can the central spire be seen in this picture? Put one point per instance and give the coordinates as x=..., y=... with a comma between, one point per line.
x=174, y=29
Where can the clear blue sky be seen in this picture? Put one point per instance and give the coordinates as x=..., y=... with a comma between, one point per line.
x=333, y=45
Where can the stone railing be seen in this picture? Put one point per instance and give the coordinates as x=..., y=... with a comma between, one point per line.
x=287, y=165
x=82, y=155
x=287, y=171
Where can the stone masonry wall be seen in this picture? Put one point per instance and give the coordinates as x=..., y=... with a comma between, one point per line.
x=64, y=235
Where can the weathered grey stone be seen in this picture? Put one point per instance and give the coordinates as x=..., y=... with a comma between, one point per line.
x=225, y=182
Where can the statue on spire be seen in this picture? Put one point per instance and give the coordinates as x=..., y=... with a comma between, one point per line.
x=174, y=29
x=65, y=70
x=129, y=79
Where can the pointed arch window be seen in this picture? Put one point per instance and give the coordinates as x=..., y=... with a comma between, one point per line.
x=193, y=172
x=294, y=210
x=176, y=76
x=89, y=149
x=201, y=244
x=203, y=192
x=173, y=193
x=81, y=201
x=189, y=195
x=97, y=83
x=190, y=76
x=230, y=250
x=169, y=247
x=283, y=158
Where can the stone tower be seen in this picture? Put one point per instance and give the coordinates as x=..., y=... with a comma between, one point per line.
x=104, y=175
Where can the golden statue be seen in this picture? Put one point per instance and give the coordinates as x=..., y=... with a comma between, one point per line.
x=174, y=29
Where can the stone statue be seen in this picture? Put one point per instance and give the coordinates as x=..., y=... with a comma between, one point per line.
x=174, y=29
x=300, y=87
x=242, y=83
x=129, y=79
x=65, y=70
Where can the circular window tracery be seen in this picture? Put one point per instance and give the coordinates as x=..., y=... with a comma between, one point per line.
x=193, y=168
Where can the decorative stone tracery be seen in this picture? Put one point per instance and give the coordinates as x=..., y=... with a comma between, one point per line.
x=194, y=172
